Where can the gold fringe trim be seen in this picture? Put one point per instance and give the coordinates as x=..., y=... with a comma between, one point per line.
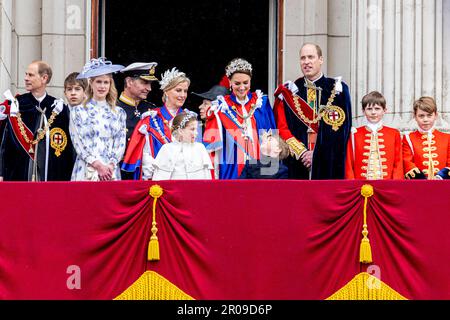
x=366, y=287
x=152, y=286
x=153, y=246
x=365, y=251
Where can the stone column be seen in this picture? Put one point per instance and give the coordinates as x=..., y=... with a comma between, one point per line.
x=305, y=21
x=445, y=56
x=325, y=22
x=63, y=39
x=5, y=44
x=27, y=39
x=338, y=52
x=49, y=30
x=398, y=49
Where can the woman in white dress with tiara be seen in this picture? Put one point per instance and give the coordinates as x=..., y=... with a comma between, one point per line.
x=181, y=159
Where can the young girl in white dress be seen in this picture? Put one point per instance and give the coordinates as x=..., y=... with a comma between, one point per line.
x=181, y=159
x=98, y=127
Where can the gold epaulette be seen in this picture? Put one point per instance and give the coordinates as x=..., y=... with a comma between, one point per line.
x=411, y=174
x=296, y=147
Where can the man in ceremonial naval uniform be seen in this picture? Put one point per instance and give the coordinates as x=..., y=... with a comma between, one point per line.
x=137, y=85
x=313, y=115
x=36, y=144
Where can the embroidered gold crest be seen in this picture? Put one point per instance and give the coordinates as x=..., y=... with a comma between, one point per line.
x=333, y=116
x=58, y=140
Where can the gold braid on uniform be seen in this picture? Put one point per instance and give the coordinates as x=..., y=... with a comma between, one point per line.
x=411, y=174
x=296, y=147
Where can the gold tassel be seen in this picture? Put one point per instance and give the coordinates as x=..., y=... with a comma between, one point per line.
x=365, y=252
x=153, y=247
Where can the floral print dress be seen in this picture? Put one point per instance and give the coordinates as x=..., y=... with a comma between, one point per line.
x=98, y=133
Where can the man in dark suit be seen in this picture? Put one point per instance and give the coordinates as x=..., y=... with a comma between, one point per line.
x=137, y=85
x=36, y=144
x=314, y=116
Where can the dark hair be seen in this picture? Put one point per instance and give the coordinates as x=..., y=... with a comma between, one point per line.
x=426, y=104
x=373, y=98
x=44, y=68
x=71, y=80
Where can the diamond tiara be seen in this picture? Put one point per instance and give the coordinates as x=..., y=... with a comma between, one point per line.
x=189, y=115
x=237, y=65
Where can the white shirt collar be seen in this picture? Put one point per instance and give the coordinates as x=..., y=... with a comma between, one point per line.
x=40, y=99
x=428, y=132
x=314, y=81
x=374, y=127
x=244, y=102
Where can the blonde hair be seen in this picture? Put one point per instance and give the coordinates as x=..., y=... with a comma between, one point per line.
x=111, y=97
x=172, y=84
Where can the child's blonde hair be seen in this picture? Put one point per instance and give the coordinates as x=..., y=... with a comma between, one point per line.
x=284, y=147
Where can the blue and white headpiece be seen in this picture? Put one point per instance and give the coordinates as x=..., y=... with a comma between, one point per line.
x=98, y=67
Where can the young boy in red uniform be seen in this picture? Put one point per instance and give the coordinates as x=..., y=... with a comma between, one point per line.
x=426, y=151
x=374, y=150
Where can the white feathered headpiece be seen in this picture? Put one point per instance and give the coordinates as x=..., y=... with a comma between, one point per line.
x=168, y=76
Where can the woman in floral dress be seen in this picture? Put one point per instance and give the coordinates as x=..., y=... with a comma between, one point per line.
x=98, y=127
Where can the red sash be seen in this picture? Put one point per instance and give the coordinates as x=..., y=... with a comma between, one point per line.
x=304, y=106
x=16, y=130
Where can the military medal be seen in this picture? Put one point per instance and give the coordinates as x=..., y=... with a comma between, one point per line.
x=137, y=113
x=58, y=140
x=333, y=116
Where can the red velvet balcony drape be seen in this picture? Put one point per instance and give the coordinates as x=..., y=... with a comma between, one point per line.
x=223, y=239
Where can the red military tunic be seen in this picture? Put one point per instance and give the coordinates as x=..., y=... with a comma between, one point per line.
x=418, y=149
x=374, y=156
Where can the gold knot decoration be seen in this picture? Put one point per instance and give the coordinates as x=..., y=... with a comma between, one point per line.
x=153, y=247
x=367, y=190
x=365, y=252
x=156, y=191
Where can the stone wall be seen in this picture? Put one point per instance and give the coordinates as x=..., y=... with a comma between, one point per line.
x=51, y=30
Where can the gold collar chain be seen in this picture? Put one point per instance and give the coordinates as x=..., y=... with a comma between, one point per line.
x=249, y=115
x=41, y=132
x=321, y=110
